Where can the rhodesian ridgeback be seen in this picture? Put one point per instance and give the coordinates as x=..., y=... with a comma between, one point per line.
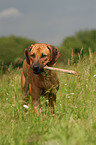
x=37, y=81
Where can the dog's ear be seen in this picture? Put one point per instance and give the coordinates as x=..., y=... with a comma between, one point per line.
x=54, y=54
x=26, y=55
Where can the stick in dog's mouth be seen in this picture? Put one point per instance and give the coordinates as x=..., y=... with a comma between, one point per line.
x=62, y=70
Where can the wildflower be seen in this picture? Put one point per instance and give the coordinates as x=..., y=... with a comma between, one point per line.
x=72, y=93
x=25, y=106
x=67, y=96
x=53, y=115
x=86, y=86
x=47, y=100
x=12, y=105
x=57, y=112
x=65, y=84
x=94, y=75
x=7, y=94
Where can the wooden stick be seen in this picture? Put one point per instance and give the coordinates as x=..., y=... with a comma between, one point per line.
x=62, y=70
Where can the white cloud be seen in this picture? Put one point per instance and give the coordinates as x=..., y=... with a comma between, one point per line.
x=11, y=12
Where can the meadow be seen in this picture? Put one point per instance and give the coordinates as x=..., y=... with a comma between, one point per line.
x=74, y=122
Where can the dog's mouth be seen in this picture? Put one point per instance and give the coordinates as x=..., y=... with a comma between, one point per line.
x=37, y=69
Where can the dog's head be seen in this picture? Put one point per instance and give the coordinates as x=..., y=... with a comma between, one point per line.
x=40, y=55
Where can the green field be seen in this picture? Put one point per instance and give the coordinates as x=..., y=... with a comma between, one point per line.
x=74, y=122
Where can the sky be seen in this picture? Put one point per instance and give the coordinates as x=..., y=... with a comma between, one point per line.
x=46, y=21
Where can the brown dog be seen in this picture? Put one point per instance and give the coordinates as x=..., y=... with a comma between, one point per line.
x=37, y=81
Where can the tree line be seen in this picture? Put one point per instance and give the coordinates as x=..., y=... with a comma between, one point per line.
x=12, y=47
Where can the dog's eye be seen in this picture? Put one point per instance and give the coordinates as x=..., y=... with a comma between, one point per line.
x=43, y=55
x=33, y=55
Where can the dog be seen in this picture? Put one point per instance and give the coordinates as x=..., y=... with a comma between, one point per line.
x=37, y=81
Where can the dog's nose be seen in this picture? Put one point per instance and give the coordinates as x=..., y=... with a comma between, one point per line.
x=36, y=67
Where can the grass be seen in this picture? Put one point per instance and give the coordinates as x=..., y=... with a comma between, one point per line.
x=75, y=111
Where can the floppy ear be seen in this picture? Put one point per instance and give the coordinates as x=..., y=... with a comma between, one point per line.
x=26, y=55
x=54, y=54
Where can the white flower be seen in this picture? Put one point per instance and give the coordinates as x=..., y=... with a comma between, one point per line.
x=12, y=105
x=25, y=106
x=57, y=112
x=47, y=100
x=94, y=75
x=65, y=84
x=72, y=93
x=67, y=96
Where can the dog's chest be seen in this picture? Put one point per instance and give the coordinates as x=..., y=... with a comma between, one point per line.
x=44, y=80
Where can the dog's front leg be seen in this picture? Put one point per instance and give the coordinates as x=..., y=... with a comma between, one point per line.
x=35, y=93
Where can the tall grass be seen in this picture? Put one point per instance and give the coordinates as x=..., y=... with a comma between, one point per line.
x=74, y=122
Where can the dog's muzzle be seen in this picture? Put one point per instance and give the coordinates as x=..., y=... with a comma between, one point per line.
x=37, y=69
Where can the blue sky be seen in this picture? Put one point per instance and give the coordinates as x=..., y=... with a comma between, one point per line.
x=46, y=21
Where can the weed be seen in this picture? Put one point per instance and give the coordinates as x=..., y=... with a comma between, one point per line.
x=75, y=110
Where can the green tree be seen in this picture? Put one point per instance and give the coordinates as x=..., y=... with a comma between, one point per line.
x=12, y=48
x=82, y=39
